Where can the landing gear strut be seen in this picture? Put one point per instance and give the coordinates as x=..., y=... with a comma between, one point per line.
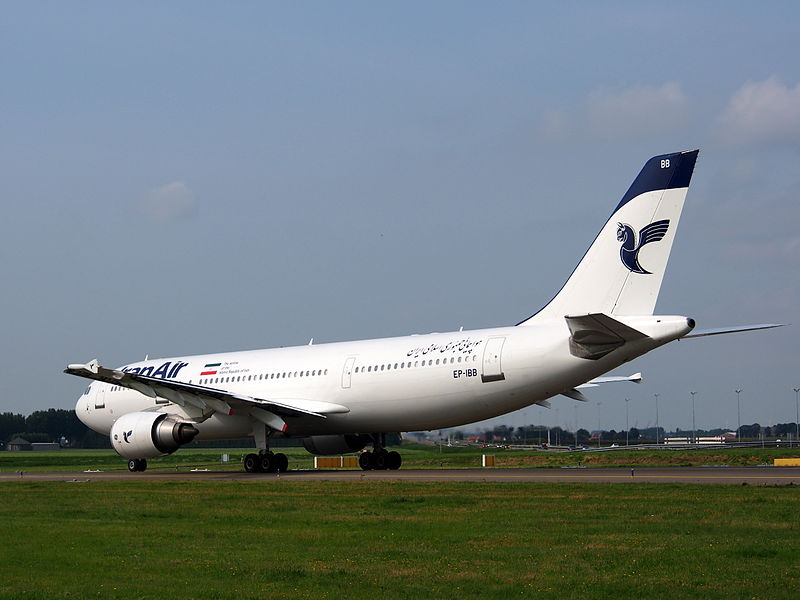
x=379, y=459
x=136, y=465
x=265, y=461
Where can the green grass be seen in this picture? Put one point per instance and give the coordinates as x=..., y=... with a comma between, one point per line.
x=280, y=538
x=414, y=456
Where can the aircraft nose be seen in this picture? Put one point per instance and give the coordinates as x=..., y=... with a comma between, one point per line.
x=80, y=409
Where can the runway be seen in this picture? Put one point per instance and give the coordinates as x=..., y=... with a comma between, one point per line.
x=694, y=475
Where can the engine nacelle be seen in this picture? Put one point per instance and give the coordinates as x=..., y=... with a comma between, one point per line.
x=335, y=444
x=147, y=434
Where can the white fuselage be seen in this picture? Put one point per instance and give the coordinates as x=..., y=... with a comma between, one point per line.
x=412, y=383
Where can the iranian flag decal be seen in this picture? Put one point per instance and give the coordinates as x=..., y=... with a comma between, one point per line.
x=210, y=369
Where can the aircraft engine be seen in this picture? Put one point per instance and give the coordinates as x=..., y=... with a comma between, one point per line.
x=335, y=444
x=147, y=434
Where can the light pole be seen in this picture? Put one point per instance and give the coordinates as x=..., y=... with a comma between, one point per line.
x=796, y=414
x=627, y=428
x=738, y=416
x=694, y=429
x=576, y=426
x=599, y=431
x=656, y=395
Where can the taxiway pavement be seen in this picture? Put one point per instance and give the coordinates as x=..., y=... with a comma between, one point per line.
x=697, y=475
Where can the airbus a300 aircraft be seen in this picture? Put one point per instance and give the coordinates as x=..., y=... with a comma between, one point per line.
x=341, y=397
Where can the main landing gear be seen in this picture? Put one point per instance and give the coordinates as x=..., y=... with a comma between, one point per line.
x=266, y=462
x=136, y=465
x=379, y=459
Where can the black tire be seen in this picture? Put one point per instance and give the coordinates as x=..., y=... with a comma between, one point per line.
x=379, y=460
x=267, y=463
x=251, y=463
x=393, y=460
x=136, y=465
x=281, y=462
x=365, y=461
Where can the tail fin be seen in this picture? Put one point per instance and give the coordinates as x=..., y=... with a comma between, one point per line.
x=622, y=271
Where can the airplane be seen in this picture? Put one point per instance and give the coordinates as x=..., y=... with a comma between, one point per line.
x=341, y=397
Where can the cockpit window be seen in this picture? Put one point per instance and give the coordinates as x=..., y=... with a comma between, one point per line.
x=86, y=393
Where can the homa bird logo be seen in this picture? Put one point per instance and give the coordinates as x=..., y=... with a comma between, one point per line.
x=629, y=251
x=126, y=435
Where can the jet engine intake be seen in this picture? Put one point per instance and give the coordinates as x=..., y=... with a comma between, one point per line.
x=147, y=434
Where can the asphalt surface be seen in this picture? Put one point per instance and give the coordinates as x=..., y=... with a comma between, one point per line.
x=696, y=475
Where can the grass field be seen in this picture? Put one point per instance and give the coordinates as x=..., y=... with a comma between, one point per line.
x=414, y=456
x=279, y=538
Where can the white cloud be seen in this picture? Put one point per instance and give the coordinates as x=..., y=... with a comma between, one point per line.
x=168, y=202
x=639, y=111
x=636, y=112
x=762, y=112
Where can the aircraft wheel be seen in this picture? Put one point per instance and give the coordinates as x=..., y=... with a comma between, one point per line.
x=393, y=460
x=281, y=462
x=136, y=465
x=267, y=463
x=379, y=460
x=251, y=463
x=365, y=461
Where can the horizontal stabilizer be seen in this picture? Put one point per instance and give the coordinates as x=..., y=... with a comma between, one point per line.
x=721, y=330
x=595, y=335
x=635, y=378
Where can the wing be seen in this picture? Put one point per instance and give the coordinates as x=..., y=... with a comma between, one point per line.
x=209, y=400
x=653, y=232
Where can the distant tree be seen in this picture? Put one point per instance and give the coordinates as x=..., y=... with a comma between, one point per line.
x=393, y=439
x=634, y=434
x=31, y=436
x=56, y=423
x=10, y=423
x=503, y=433
x=583, y=436
x=750, y=431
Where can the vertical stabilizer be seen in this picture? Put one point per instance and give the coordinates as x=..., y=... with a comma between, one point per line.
x=622, y=271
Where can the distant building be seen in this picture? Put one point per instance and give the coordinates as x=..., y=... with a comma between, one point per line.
x=45, y=446
x=18, y=444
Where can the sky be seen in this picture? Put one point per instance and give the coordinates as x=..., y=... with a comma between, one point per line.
x=189, y=177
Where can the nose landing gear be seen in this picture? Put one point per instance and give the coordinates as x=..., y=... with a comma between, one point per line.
x=136, y=465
